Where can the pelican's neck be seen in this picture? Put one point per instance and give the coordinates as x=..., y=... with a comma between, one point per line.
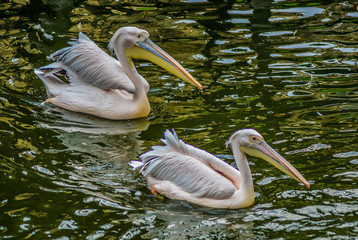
x=131, y=72
x=245, y=172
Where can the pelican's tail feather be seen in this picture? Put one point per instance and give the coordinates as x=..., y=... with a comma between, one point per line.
x=53, y=84
x=53, y=68
x=61, y=54
x=136, y=164
x=173, y=145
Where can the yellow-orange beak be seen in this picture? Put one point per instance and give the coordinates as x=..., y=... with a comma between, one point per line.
x=264, y=151
x=149, y=51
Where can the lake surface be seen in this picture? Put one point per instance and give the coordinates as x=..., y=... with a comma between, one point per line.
x=286, y=68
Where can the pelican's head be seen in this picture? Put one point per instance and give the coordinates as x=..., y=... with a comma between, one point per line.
x=135, y=43
x=252, y=143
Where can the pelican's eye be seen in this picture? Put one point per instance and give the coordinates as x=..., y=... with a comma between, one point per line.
x=255, y=139
x=141, y=37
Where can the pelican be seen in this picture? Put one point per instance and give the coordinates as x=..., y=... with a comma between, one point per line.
x=99, y=84
x=181, y=171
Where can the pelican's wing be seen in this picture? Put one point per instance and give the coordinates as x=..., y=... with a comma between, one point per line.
x=175, y=144
x=85, y=61
x=189, y=168
x=54, y=86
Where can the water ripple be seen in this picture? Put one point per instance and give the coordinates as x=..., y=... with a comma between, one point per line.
x=311, y=148
x=346, y=154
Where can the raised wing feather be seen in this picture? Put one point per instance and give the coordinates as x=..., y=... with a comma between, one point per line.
x=85, y=61
x=179, y=163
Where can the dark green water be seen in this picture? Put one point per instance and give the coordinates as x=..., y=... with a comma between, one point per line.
x=286, y=68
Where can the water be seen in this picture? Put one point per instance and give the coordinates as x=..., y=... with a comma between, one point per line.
x=286, y=68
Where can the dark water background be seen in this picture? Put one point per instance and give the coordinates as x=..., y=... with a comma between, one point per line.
x=286, y=68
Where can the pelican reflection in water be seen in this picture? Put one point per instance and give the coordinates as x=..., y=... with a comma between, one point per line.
x=181, y=171
x=99, y=84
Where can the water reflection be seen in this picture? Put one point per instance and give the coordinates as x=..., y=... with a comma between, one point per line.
x=61, y=119
x=56, y=18
x=99, y=151
x=181, y=224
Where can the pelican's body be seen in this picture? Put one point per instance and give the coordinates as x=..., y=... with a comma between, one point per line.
x=101, y=85
x=180, y=171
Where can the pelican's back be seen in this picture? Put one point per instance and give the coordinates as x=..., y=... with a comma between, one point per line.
x=89, y=63
x=186, y=167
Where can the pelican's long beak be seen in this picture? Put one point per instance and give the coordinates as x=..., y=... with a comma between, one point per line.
x=149, y=51
x=264, y=151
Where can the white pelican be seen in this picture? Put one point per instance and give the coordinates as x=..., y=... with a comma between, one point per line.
x=181, y=171
x=99, y=84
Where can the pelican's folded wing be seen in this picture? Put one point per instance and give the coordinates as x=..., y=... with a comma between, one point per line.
x=189, y=174
x=174, y=143
x=180, y=163
x=85, y=61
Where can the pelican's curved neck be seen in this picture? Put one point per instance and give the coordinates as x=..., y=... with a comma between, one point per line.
x=131, y=71
x=245, y=172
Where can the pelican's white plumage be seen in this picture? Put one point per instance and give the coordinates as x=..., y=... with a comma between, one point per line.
x=181, y=171
x=101, y=85
x=85, y=61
